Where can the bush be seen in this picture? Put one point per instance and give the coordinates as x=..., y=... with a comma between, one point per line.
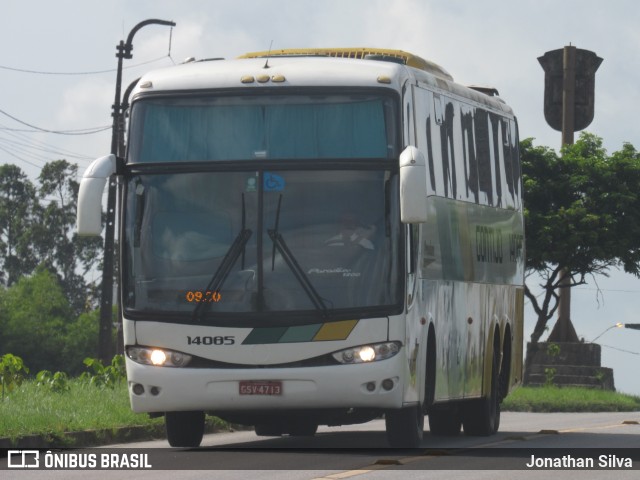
x=34, y=313
x=12, y=373
x=109, y=376
x=56, y=382
x=38, y=324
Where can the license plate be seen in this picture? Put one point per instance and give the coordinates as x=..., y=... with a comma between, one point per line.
x=255, y=387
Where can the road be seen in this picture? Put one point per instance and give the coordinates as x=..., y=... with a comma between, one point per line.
x=361, y=452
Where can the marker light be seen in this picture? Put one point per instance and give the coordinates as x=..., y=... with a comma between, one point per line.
x=367, y=353
x=158, y=357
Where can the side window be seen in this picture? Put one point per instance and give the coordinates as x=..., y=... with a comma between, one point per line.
x=469, y=153
x=426, y=128
x=483, y=155
x=408, y=120
x=413, y=242
x=438, y=109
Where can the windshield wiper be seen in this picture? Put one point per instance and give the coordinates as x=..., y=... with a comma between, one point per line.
x=280, y=245
x=222, y=272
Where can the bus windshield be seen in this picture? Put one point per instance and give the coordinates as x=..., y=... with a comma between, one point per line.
x=203, y=245
x=223, y=128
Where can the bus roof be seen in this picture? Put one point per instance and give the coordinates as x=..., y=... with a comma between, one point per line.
x=337, y=67
x=399, y=56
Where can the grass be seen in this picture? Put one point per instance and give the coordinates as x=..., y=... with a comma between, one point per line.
x=36, y=410
x=32, y=409
x=569, y=399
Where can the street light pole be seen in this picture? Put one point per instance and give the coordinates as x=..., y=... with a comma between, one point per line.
x=617, y=325
x=105, y=343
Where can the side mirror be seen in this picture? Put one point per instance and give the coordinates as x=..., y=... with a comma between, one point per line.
x=89, y=216
x=413, y=186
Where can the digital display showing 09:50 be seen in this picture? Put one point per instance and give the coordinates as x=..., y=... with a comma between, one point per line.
x=203, y=296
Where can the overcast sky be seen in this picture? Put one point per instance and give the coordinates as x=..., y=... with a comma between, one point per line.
x=491, y=42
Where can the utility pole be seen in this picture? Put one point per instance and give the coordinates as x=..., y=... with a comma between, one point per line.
x=105, y=342
x=569, y=97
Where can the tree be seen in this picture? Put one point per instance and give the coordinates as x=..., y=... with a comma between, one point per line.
x=582, y=213
x=17, y=202
x=33, y=316
x=37, y=324
x=57, y=244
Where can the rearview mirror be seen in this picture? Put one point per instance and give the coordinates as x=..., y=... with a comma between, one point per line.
x=89, y=216
x=413, y=186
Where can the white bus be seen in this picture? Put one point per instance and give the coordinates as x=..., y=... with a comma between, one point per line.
x=318, y=237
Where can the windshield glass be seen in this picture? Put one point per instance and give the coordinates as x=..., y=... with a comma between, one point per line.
x=220, y=128
x=207, y=244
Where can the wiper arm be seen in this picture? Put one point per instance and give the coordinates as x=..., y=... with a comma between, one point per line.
x=295, y=267
x=280, y=245
x=223, y=270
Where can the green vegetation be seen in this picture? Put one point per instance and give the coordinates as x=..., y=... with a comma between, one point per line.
x=48, y=295
x=12, y=372
x=582, y=214
x=567, y=399
x=32, y=409
x=52, y=404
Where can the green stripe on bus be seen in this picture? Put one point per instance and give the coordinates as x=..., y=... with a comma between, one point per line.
x=318, y=332
x=264, y=335
x=303, y=333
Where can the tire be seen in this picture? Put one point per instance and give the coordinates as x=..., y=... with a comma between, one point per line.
x=303, y=429
x=445, y=422
x=184, y=429
x=268, y=429
x=405, y=426
x=430, y=373
x=482, y=417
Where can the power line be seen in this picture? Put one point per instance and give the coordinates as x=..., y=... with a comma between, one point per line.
x=20, y=142
x=606, y=290
x=620, y=349
x=81, y=131
x=95, y=72
x=39, y=167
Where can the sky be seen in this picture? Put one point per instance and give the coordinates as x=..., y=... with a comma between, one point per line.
x=492, y=43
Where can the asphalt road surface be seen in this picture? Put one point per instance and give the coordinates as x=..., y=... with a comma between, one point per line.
x=592, y=445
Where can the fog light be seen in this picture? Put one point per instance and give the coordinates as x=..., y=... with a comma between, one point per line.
x=371, y=386
x=154, y=391
x=138, y=389
x=387, y=384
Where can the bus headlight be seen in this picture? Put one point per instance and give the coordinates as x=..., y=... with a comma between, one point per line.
x=159, y=357
x=367, y=353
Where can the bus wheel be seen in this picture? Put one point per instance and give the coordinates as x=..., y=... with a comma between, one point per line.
x=482, y=417
x=268, y=429
x=184, y=429
x=303, y=429
x=445, y=422
x=405, y=426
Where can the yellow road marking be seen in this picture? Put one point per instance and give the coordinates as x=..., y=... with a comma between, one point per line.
x=384, y=463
